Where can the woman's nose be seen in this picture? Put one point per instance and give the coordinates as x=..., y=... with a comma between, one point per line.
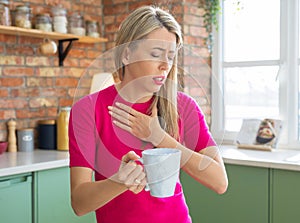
x=165, y=63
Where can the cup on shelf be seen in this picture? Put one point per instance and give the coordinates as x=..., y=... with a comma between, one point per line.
x=48, y=47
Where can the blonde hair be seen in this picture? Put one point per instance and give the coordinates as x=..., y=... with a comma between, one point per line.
x=137, y=26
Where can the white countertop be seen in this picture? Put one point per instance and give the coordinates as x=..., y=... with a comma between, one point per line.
x=24, y=162
x=277, y=158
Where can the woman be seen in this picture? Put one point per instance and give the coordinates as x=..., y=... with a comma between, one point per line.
x=110, y=128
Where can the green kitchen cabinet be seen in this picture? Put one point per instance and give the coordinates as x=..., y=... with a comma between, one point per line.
x=246, y=199
x=285, y=202
x=15, y=199
x=52, y=198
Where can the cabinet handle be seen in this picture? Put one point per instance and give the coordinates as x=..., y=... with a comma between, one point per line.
x=17, y=180
x=5, y=183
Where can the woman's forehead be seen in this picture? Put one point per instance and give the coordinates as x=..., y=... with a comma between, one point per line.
x=157, y=43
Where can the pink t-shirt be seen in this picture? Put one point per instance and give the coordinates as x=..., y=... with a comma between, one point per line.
x=98, y=144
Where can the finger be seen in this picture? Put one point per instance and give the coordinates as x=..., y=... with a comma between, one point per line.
x=138, y=188
x=144, y=182
x=140, y=179
x=126, y=170
x=120, y=118
x=122, y=126
x=135, y=189
x=127, y=109
x=121, y=112
x=137, y=173
x=131, y=155
x=133, y=175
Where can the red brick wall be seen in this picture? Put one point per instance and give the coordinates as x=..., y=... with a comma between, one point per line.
x=197, y=58
x=33, y=86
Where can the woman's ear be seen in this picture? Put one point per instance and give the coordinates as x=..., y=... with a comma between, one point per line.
x=125, y=57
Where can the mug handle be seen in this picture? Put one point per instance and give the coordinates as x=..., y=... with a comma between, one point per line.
x=140, y=161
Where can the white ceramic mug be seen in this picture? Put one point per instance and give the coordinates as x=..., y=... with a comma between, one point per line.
x=162, y=167
x=48, y=47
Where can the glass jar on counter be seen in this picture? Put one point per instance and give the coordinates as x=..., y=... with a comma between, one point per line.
x=4, y=13
x=76, y=24
x=92, y=28
x=43, y=22
x=60, y=22
x=62, y=126
x=23, y=16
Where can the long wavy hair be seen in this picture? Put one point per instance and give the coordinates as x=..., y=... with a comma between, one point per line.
x=137, y=26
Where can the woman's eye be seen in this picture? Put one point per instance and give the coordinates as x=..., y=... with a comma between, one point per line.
x=171, y=57
x=156, y=55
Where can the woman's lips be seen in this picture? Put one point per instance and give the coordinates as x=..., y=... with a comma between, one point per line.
x=159, y=80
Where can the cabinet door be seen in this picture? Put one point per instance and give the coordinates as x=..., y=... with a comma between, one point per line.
x=52, y=197
x=15, y=199
x=286, y=196
x=246, y=199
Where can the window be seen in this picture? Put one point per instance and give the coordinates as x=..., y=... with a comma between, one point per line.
x=256, y=67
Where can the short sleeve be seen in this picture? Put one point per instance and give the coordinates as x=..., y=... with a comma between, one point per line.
x=194, y=131
x=82, y=140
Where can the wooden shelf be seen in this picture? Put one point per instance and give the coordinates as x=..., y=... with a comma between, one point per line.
x=12, y=30
x=60, y=37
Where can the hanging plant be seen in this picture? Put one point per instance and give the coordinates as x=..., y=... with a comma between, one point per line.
x=211, y=10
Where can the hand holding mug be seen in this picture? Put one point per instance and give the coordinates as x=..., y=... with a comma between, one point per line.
x=130, y=174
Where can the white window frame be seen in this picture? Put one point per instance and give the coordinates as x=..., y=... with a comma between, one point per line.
x=288, y=77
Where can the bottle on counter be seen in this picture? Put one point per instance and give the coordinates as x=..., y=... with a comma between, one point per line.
x=62, y=125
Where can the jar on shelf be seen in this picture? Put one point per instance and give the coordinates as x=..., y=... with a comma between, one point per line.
x=23, y=16
x=92, y=28
x=76, y=24
x=62, y=126
x=4, y=13
x=43, y=22
x=60, y=22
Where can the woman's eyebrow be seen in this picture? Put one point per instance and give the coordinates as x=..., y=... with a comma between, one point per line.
x=162, y=49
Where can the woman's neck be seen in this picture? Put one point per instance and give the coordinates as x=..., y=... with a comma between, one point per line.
x=132, y=94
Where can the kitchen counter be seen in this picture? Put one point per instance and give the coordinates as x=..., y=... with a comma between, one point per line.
x=23, y=162
x=276, y=159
